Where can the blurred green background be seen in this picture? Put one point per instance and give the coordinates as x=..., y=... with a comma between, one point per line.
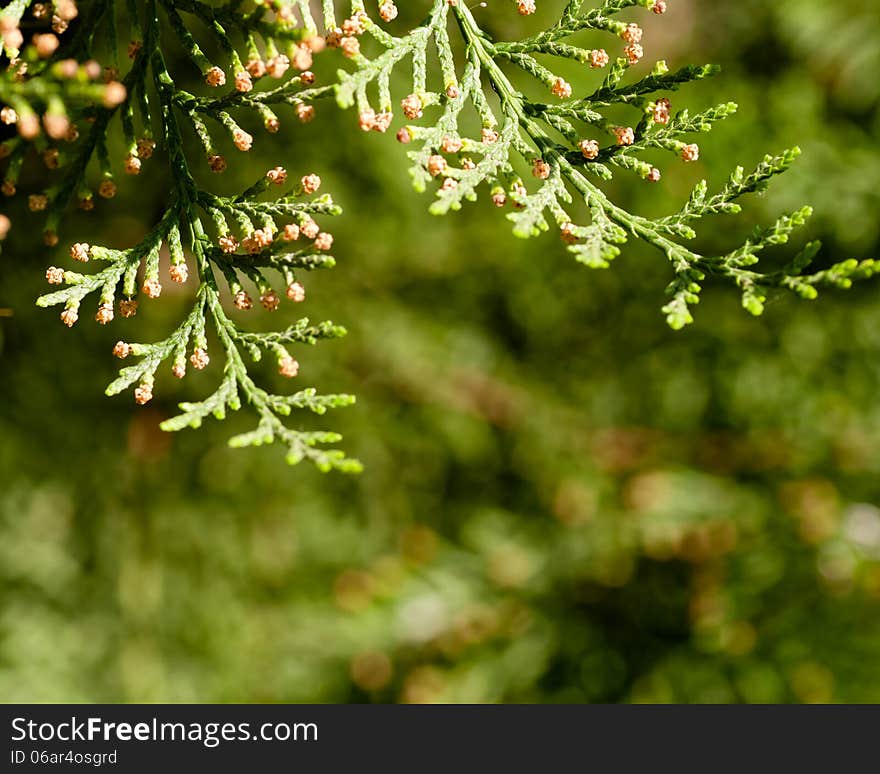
x=563, y=500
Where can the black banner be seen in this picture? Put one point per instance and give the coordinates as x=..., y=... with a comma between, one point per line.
x=143, y=738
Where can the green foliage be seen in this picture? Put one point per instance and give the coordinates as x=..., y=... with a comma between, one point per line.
x=482, y=130
x=554, y=476
x=148, y=96
x=546, y=136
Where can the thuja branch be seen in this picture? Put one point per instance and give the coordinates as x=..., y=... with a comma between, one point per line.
x=564, y=142
x=244, y=238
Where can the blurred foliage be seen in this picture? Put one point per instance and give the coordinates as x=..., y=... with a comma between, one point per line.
x=563, y=500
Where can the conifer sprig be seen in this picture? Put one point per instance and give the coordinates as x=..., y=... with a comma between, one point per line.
x=568, y=143
x=245, y=239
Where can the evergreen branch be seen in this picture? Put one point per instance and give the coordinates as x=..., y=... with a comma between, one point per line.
x=54, y=88
x=255, y=224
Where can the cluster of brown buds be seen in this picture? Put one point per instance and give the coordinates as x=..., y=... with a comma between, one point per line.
x=262, y=238
x=300, y=56
x=387, y=11
x=659, y=111
x=52, y=121
x=632, y=36
x=345, y=38
x=60, y=13
x=598, y=58
x=370, y=120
